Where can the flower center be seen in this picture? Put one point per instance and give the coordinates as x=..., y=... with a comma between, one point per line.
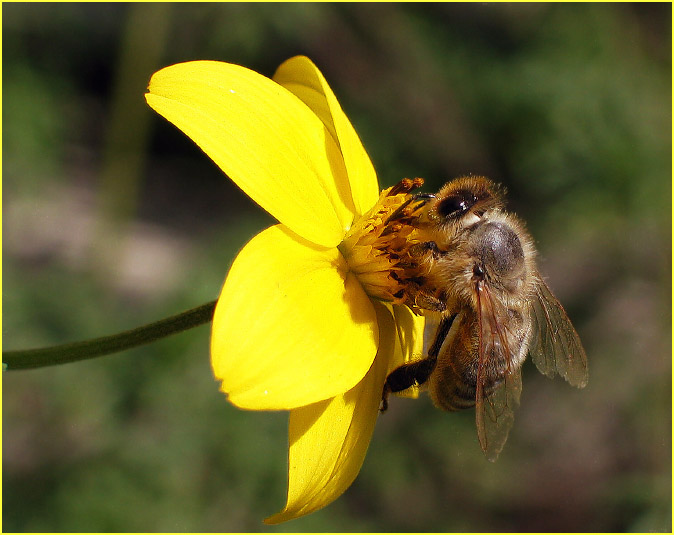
x=377, y=247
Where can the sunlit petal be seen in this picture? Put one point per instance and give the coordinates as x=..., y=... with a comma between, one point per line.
x=269, y=142
x=328, y=440
x=409, y=342
x=291, y=326
x=301, y=76
x=410, y=336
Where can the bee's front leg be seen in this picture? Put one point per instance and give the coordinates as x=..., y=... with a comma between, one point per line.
x=420, y=294
x=426, y=247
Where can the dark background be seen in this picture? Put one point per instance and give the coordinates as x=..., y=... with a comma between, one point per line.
x=113, y=218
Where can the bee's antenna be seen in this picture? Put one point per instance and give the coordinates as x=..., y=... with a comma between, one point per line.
x=419, y=197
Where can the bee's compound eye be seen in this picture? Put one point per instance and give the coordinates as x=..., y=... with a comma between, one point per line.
x=456, y=204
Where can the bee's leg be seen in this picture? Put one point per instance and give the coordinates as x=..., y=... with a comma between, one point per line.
x=420, y=249
x=417, y=372
x=419, y=297
x=429, y=302
x=421, y=198
x=440, y=335
x=405, y=376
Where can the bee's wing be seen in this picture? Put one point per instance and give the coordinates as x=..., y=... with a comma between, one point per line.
x=495, y=413
x=495, y=409
x=555, y=346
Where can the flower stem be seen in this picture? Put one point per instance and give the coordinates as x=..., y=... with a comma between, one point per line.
x=88, y=349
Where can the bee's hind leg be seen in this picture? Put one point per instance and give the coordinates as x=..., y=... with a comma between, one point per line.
x=414, y=373
x=418, y=372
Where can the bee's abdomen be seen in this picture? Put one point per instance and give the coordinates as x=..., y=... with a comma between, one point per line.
x=454, y=390
x=449, y=392
x=452, y=385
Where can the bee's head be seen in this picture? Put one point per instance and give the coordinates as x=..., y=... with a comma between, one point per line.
x=465, y=197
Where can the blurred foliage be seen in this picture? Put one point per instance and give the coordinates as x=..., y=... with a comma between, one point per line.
x=568, y=105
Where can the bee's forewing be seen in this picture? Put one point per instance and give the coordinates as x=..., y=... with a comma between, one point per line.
x=494, y=409
x=495, y=414
x=555, y=346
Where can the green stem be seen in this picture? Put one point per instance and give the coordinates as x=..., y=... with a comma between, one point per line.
x=88, y=349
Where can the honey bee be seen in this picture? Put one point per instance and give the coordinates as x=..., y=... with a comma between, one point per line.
x=476, y=273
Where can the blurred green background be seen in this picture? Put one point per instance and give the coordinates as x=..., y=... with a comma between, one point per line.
x=113, y=218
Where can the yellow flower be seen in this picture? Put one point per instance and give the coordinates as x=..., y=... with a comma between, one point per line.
x=302, y=323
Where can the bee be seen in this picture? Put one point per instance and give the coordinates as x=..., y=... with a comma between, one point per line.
x=476, y=274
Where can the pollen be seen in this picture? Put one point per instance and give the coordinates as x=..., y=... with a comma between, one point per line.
x=377, y=247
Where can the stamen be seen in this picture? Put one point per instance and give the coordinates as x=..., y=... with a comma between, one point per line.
x=377, y=247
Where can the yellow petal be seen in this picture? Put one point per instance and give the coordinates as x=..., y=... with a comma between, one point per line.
x=410, y=335
x=266, y=140
x=303, y=78
x=291, y=327
x=409, y=342
x=328, y=440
